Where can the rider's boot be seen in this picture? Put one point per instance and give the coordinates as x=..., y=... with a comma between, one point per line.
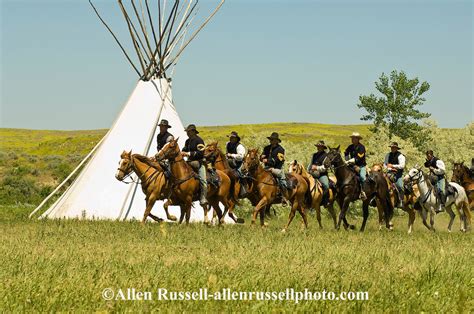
x=283, y=189
x=442, y=199
x=203, y=194
x=325, y=199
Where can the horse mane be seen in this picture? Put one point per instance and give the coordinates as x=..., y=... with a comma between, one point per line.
x=148, y=161
x=223, y=157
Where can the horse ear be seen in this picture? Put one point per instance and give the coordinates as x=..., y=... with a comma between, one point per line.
x=329, y=147
x=462, y=163
x=338, y=147
x=295, y=162
x=176, y=140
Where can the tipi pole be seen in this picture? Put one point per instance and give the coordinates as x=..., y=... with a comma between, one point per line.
x=67, y=179
x=115, y=37
x=195, y=34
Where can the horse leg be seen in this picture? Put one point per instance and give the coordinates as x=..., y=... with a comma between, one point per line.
x=381, y=213
x=424, y=216
x=188, y=211
x=294, y=206
x=365, y=214
x=165, y=207
x=183, y=213
x=432, y=215
x=318, y=214
x=261, y=204
x=149, y=205
x=411, y=219
x=217, y=210
x=332, y=212
x=452, y=216
x=302, y=212
x=342, y=214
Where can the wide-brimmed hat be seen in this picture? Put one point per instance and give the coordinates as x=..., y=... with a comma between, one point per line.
x=394, y=144
x=191, y=127
x=164, y=122
x=274, y=136
x=234, y=134
x=321, y=144
x=356, y=134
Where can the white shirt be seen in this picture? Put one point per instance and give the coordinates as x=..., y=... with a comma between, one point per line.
x=240, y=153
x=441, y=168
x=401, y=162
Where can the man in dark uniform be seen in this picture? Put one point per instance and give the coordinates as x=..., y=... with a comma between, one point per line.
x=355, y=158
x=318, y=171
x=194, y=150
x=394, y=163
x=164, y=136
x=162, y=139
x=273, y=157
x=438, y=170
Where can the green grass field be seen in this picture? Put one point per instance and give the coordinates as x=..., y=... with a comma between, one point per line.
x=66, y=265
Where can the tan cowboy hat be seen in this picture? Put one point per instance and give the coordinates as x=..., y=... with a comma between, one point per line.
x=356, y=134
x=394, y=144
x=321, y=144
x=191, y=127
x=165, y=122
x=234, y=134
x=274, y=136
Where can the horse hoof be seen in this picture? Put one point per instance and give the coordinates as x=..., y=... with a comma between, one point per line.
x=352, y=227
x=283, y=230
x=240, y=220
x=172, y=218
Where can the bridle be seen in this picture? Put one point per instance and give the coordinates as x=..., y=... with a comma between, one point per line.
x=417, y=178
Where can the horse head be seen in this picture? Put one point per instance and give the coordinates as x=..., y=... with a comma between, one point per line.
x=251, y=161
x=169, y=151
x=211, y=150
x=333, y=157
x=295, y=167
x=125, y=165
x=459, y=171
x=413, y=176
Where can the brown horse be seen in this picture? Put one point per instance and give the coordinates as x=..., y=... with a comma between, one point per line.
x=410, y=199
x=264, y=188
x=376, y=187
x=218, y=160
x=185, y=184
x=153, y=182
x=462, y=176
x=316, y=192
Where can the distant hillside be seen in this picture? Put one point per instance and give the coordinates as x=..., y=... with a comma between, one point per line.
x=33, y=162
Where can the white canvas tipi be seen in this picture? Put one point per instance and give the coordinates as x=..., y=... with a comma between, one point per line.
x=95, y=193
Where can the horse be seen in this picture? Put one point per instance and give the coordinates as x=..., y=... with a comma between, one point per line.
x=152, y=179
x=462, y=176
x=316, y=192
x=376, y=187
x=348, y=187
x=185, y=184
x=218, y=160
x=264, y=189
x=429, y=201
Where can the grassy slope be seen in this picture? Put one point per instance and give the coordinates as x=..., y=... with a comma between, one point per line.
x=59, y=265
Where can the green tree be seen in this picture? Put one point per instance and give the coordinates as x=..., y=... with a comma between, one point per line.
x=396, y=109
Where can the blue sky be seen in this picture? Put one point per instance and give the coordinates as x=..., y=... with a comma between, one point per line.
x=257, y=61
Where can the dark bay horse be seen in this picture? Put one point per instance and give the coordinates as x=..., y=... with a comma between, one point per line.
x=218, y=160
x=185, y=184
x=462, y=176
x=376, y=186
x=264, y=189
x=153, y=182
x=348, y=187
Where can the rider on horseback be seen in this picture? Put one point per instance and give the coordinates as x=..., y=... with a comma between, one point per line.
x=194, y=150
x=162, y=139
x=438, y=170
x=273, y=157
x=395, y=163
x=355, y=157
x=318, y=171
x=235, y=153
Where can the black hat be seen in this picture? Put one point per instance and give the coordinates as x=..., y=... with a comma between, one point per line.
x=394, y=144
x=234, y=134
x=164, y=122
x=321, y=144
x=191, y=127
x=274, y=136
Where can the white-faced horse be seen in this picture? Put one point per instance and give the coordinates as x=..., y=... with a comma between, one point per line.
x=429, y=202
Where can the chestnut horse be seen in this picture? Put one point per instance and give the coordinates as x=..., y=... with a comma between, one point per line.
x=153, y=182
x=185, y=184
x=316, y=192
x=218, y=160
x=462, y=176
x=264, y=188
